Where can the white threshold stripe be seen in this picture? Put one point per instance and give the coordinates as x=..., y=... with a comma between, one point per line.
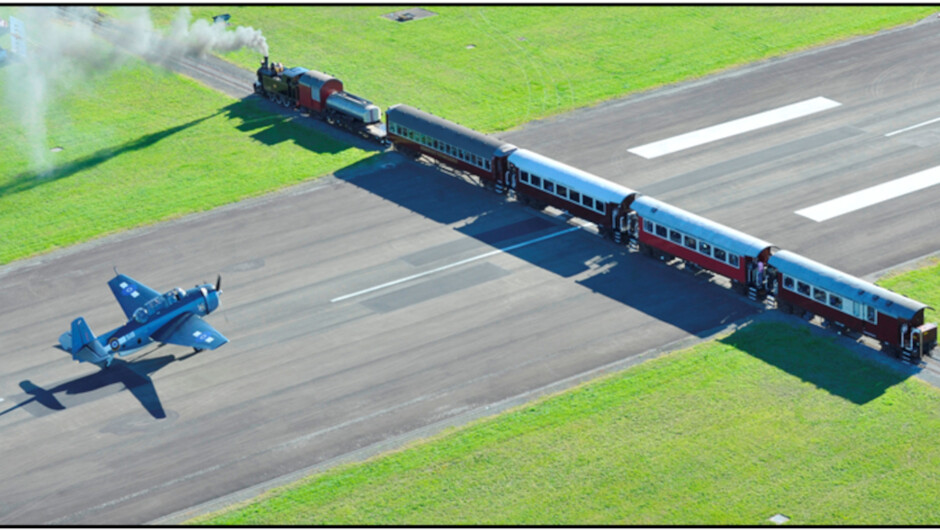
x=456, y=264
x=873, y=195
x=734, y=127
x=899, y=131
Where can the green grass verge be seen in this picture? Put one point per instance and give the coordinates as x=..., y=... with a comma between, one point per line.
x=770, y=419
x=922, y=285
x=534, y=61
x=140, y=146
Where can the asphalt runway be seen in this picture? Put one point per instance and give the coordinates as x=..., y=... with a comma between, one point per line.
x=315, y=371
x=756, y=181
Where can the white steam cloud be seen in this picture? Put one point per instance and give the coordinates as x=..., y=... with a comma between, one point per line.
x=68, y=46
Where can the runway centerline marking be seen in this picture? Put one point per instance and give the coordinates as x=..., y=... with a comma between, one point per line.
x=734, y=127
x=899, y=131
x=455, y=264
x=873, y=195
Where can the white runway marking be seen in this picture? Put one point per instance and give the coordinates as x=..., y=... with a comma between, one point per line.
x=873, y=195
x=899, y=131
x=734, y=127
x=461, y=262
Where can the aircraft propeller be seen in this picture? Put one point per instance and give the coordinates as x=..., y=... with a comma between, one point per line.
x=218, y=284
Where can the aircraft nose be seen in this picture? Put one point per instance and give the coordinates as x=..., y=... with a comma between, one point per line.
x=213, y=300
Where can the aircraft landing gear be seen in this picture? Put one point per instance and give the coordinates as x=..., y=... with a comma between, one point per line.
x=197, y=350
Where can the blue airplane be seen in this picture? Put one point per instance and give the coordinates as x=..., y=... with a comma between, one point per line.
x=169, y=318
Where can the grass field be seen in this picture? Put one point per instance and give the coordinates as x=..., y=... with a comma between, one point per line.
x=140, y=146
x=922, y=285
x=530, y=62
x=768, y=420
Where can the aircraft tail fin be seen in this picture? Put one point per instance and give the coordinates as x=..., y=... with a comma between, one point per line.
x=81, y=335
x=81, y=340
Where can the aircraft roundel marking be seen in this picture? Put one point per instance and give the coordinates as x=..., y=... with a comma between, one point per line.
x=115, y=345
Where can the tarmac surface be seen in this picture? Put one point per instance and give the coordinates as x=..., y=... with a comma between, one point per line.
x=371, y=307
x=755, y=182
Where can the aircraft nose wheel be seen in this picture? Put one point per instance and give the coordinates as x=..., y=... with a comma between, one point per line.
x=197, y=350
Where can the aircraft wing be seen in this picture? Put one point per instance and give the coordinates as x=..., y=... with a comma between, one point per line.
x=130, y=293
x=190, y=330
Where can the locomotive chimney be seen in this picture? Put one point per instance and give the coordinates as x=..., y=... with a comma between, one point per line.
x=265, y=63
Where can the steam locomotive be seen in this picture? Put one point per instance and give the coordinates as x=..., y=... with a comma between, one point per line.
x=321, y=95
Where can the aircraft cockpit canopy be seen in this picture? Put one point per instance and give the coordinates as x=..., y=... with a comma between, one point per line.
x=174, y=295
x=154, y=306
x=141, y=314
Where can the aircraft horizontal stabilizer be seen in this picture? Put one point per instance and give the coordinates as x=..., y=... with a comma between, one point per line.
x=65, y=340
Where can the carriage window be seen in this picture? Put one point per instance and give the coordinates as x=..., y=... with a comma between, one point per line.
x=870, y=314
x=536, y=181
x=788, y=282
x=600, y=206
x=561, y=190
x=661, y=231
x=835, y=301
x=487, y=161
x=647, y=226
x=435, y=145
x=705, y=248
x=719, y=254
x=733, y=260
x=587, y=201
x=819, y=295
x=690, y=242
x=675, y=236
x=574, y=196
x=549, y=186
x=802, y=288
x=525, y=176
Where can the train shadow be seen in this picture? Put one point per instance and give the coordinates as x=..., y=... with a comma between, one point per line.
x=646, y=285
x=120, y=376
x=272, y=124
x=687, y=300
x=817, y=359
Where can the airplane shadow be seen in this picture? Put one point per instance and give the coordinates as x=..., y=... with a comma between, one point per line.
x=121, y=375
